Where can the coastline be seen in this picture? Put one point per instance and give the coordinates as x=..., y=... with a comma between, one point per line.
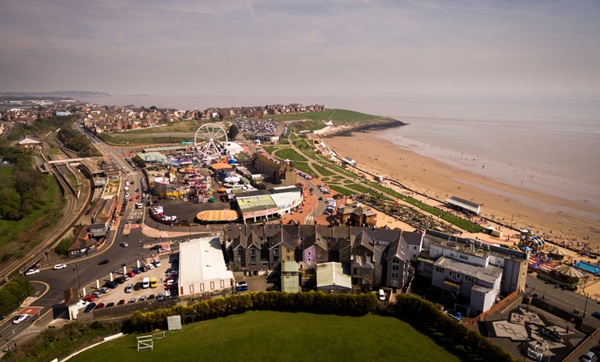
x=560, y=219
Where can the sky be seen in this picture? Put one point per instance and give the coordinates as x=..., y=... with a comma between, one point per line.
x=300, y=48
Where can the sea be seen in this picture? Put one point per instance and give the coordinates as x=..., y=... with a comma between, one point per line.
x=547, y=144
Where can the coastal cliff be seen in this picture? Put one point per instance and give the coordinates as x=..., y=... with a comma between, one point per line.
x=376, y=125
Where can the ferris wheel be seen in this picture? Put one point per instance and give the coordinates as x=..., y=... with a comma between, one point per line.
x=208, y=139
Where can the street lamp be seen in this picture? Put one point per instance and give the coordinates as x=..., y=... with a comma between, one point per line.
x=76, y=270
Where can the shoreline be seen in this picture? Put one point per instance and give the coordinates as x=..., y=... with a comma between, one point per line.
x=526, y=208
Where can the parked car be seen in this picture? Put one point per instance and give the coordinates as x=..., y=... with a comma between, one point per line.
x=96, y=294
x=100, y=306
x=59, y=266
x=120, y=279
x=241, y=286
x=137, y=270
x=111, y=304
x=131, y=300
x=142, y=298
x=149, y=266
x=20, y=318
x=112, y=284
x=588, y=357
x=121, y=302
x=151, y=296
x=157, y=263
x=129, y=288
x=131, y=274
x=596, y=314
x=137, y=286
x=381, y=294
x=90, y=307
x=89, y=298
x=124, y=244
x=103, y=262
x=167, y=293
x=32, y=271
x=160, y=296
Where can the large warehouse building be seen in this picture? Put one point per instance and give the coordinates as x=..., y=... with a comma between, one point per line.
x=202, y=268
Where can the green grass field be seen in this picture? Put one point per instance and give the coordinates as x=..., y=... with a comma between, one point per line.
x=27, y=227
x=341, y=115
x=289, y=154
x=273, y=336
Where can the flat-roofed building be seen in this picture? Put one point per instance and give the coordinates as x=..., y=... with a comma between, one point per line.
x=202, y=268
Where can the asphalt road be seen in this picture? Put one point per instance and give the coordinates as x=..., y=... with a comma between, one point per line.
x=565, y=299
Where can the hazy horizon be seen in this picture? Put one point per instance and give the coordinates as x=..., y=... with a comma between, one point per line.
x=302, y=49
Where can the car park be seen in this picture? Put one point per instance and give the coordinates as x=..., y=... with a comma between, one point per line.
x=32, y=271
x=20, y=318
x=90, y=307
x=59, y=266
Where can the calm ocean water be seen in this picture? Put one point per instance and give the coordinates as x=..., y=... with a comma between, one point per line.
x=549, y=145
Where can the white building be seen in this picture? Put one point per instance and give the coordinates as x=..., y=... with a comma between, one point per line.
x=202, y=268
x=232, y=148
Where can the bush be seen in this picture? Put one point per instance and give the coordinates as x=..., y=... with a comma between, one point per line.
x=63, y=247
x=13, y=293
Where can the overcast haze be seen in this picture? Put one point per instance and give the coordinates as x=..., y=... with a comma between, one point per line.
x=298, y=48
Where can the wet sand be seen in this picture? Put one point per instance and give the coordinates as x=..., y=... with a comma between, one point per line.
x=561, y=219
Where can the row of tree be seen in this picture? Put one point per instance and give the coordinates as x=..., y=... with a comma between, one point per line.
x=425, y=316
x=77, y=142
x=311, y=302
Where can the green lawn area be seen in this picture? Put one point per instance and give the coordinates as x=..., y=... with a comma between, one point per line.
x=304, y=167
x=322, y=170
x=274, y=336
x=150, y=138
x=342, y=190
x=187, y=125
x=290, y=154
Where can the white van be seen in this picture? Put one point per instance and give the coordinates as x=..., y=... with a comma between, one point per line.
x=146, y=283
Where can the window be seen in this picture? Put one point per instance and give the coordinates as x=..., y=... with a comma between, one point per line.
x=454, y=275
x=464, y=257
x=395, y=275
x=395, y=267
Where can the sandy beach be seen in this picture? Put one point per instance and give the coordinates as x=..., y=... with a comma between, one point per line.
x=500, y=201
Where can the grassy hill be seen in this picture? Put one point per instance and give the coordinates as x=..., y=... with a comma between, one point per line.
x=336, y=115
x=274, y=336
